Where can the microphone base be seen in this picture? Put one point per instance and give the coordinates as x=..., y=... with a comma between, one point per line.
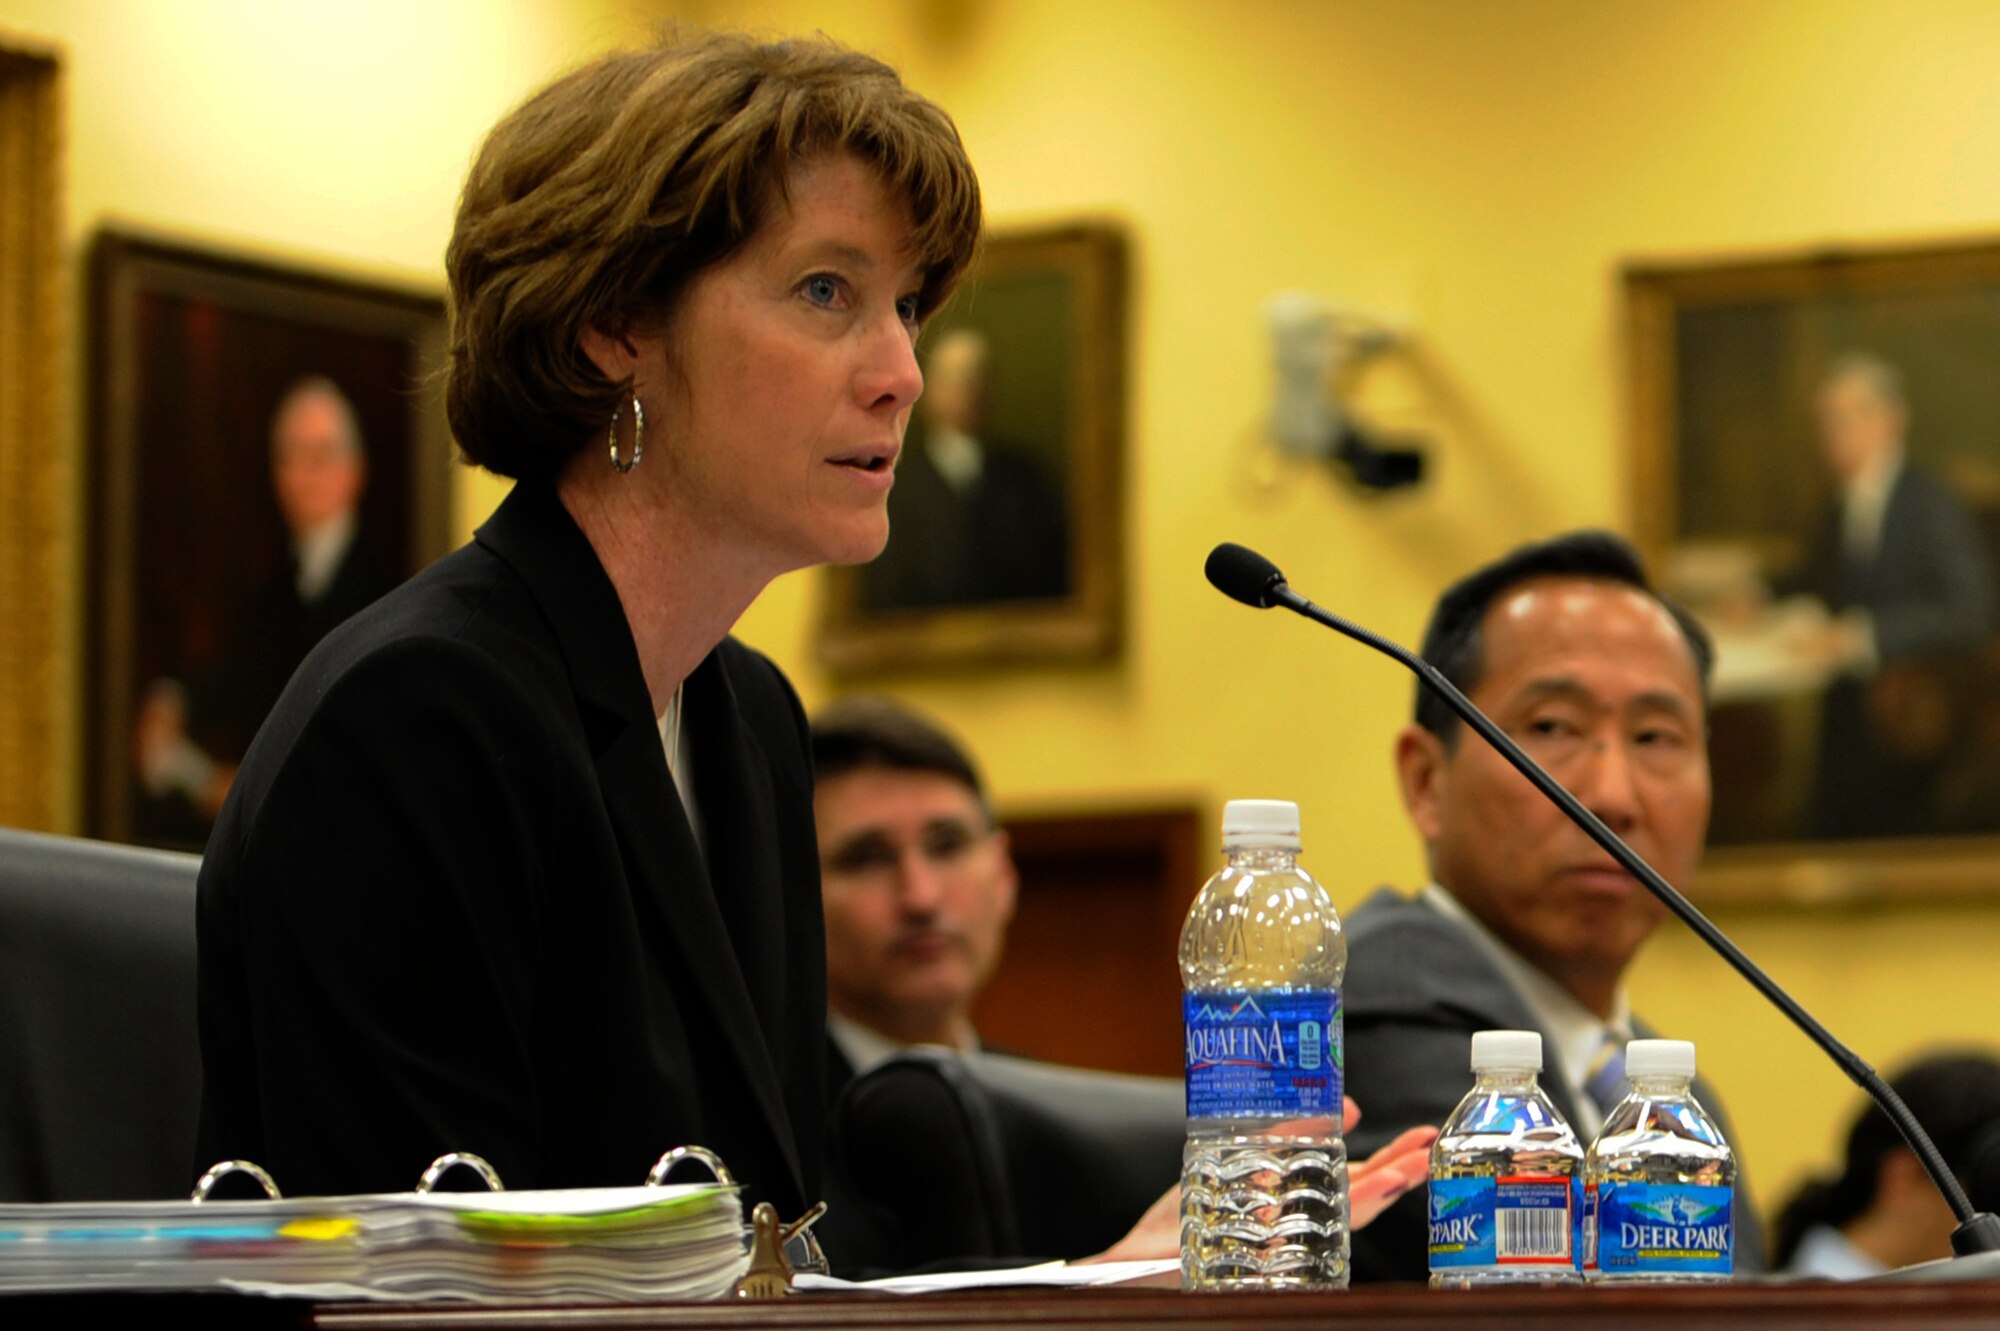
x=1977, y=1236
x=1977, y=1243
x=1980, y=1268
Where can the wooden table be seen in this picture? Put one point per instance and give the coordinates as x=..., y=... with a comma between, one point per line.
x=1739, y=1307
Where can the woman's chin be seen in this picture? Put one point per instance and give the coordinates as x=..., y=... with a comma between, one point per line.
x=860, y=545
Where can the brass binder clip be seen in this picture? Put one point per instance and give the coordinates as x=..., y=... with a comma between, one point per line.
x=774, y=1250
x=770, y=1275
x=777, y=1251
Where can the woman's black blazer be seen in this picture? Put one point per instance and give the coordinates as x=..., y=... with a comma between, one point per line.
x=454, y=903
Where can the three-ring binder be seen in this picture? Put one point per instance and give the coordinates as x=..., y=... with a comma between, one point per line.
x=671, y=1240
x=778, y=1251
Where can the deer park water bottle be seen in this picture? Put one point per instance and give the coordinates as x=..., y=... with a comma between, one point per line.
x=1264, y=1175
x=1506, y=1176
x=1662, y=1178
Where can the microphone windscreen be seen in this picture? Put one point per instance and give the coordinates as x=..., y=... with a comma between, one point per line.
x=1242, y=574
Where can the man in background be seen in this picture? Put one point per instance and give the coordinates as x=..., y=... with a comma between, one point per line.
x=1528, y=924
x=919, y=888
x=190, y=735
x=1880, y=1210
x=917, y=880
x=1901, y=569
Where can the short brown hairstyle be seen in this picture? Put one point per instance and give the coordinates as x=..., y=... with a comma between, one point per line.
x=864, y=731
x=599, y=199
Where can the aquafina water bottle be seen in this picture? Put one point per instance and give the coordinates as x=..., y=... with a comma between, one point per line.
x=1264, y=1176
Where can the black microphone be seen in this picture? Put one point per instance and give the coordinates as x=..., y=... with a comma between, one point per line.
x=1244, y=575
x=1247, y=576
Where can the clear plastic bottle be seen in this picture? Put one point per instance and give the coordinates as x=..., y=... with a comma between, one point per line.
x=1264, y=1176
x=1506, y=1187
x=1661, y=1178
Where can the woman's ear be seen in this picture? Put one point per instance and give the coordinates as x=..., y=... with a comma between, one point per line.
x=612, y=351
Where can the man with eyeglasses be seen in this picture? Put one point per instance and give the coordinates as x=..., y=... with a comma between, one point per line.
x=919, y=887
x=916, y=878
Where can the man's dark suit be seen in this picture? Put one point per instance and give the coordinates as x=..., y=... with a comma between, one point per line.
x=230, y=696
x=454, y=902
x=1418, y=986
x=1005, y=539
x=1929, y=591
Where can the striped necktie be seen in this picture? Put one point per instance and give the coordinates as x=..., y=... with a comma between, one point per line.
x=1606, y=1080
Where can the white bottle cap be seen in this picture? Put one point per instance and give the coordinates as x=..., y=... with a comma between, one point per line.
x=1507, y=1051
x=1264, y=824
x=1659, y=1058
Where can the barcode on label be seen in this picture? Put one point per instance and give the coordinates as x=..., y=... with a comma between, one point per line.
x=1531, y=1233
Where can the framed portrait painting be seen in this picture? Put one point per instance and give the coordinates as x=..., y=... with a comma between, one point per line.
x=1818, y=476
x=1006, y=518
x=267, y=455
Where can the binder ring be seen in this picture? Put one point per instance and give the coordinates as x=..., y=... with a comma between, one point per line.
x=701, y=1155
x=223, y=1169
x=452, y=1159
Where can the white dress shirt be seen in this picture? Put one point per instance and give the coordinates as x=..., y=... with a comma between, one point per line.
x=1576, y=1031
x=865, y=1047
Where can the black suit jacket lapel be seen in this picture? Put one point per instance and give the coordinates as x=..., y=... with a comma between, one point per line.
x=666, y=860
x=733, y=790
x=537, y=537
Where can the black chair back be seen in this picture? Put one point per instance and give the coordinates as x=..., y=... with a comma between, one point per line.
x=966, y=1159
x=100, y=1065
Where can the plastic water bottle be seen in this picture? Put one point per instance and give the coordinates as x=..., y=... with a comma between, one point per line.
x=1662, y=1179
x=1506, y=1190
x=1264, y=1176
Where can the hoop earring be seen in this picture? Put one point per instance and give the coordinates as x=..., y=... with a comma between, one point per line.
x=638, y=436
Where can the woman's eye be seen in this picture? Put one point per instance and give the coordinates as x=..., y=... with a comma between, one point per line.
x=822, y=290
x=907, y=308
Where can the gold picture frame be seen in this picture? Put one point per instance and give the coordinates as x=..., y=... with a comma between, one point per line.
x=199, y=607
x=1024, y=561
x=1735, y=490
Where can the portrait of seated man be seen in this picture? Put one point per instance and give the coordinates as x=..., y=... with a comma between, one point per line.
x=1900, y=568
x=191, y=731
x=973, y=518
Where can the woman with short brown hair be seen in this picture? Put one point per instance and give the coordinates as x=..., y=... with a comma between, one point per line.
x=523, y=862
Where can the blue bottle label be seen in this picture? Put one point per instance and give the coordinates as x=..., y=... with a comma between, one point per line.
x=1665, y=1229
x=1263, y=1054
x=1512, y=1222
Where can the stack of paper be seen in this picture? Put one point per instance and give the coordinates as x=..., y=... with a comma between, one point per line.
x=674, y=1242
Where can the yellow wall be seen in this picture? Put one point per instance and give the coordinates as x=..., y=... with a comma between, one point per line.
x=334, y=135
x=1476, y=168
x=1481, y=171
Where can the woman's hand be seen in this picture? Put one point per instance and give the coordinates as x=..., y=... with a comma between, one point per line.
x=1372, y=1186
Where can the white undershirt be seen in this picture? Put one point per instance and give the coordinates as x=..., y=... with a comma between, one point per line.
x=864, y=1047
x=319, y=553
x=957, y=457
x=1577, y=1032
x=673, y=738
x=1826, y=1252
x=1863, y=504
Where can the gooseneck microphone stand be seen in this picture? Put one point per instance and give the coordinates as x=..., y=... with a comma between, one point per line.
x=1247, y=576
